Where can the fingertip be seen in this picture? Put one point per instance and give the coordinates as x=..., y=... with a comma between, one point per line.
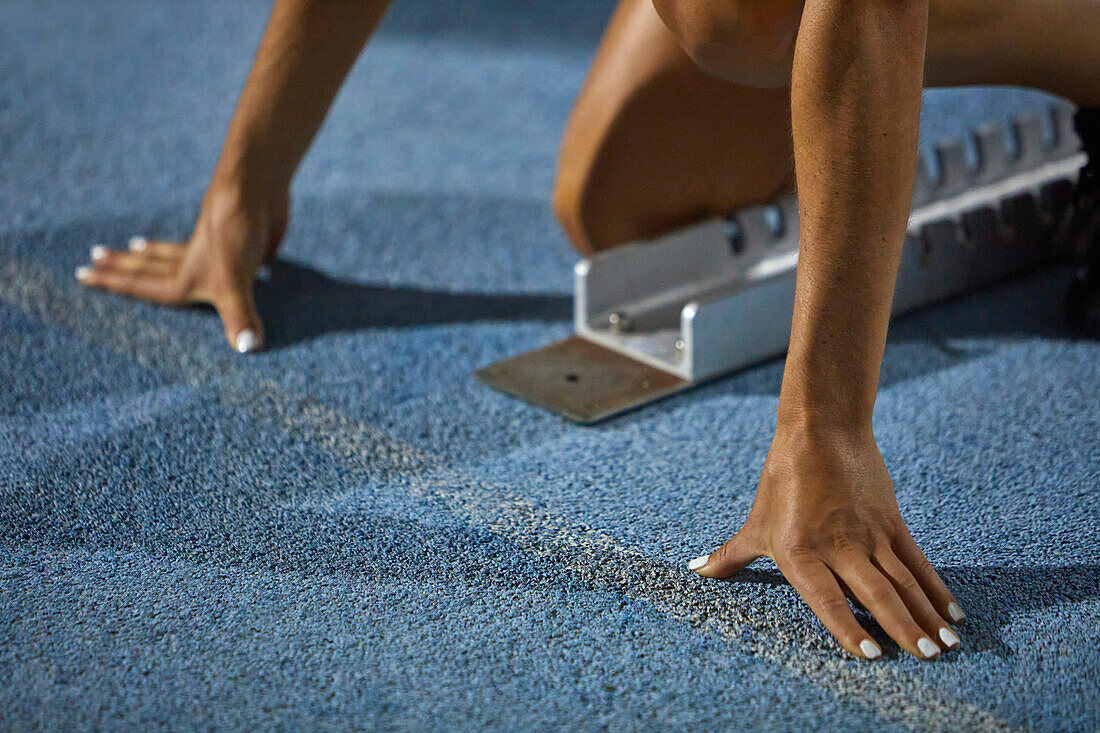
x=83, y=273
x=138, y=244
x=98, y=252
x=949, y=638
x=928, y=648
x=870, y=649
x=699, y=563
x=955, y=612
x=247, y=342
x=243, y=327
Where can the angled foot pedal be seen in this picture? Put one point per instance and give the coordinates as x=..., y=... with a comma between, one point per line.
x=657, y=317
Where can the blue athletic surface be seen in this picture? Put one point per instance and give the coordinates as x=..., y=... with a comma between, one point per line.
x=349, y=531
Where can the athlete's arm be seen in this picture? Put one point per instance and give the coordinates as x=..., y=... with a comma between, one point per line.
x=825, y=507
x=306, y=51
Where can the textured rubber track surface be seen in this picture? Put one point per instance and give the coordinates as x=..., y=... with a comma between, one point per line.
x=348, y=531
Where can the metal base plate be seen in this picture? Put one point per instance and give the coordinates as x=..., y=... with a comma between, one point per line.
x=581, y=380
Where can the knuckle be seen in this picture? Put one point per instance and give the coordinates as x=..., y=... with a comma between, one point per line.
x=880, y=592
x=833, y=605
x=895, y=524
x=924, y=567
x=796, y=552
x=801, y=542
x=846, y=541
x=909, y=585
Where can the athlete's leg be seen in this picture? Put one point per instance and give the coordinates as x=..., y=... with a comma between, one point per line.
x=1045, y=44
x=654, y=142
x=1052, y=45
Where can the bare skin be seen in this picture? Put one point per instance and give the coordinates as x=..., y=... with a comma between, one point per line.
x=825, y=507
x=655, y=142
x=307, y=50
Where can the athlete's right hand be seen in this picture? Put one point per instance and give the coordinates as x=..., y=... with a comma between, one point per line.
x=826, y=512
x=217, y=265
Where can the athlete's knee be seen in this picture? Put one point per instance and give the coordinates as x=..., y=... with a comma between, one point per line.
x=592, y=210
x=750, y=42
x=568, y=202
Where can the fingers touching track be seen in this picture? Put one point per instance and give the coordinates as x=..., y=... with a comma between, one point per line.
x=817, y=585
x=897, y=586
x=170, y=273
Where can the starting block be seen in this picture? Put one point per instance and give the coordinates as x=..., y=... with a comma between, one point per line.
x=657, y=317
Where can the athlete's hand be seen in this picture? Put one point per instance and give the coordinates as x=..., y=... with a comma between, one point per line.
x=825, y=511
x=231, y=239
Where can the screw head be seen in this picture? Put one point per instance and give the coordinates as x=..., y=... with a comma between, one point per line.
x=619, y=322
x=734, y=236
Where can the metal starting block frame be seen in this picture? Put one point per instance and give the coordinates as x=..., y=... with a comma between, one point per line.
x=656, y=317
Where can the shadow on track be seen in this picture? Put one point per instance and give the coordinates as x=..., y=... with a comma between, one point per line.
x=299, y=303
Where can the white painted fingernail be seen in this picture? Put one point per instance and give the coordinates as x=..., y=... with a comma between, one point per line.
x=247, y=341
x=82, y=273
x=99, y=252
x=870, y=649
x=955, y=612
x=948, y=637
x=137, y=244
x=698, y=562
x=928, y=647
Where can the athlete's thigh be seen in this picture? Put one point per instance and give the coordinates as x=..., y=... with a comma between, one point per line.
x=654, y=142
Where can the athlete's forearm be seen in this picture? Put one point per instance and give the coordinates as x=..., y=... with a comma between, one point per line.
x=855, y=94
x=306, y=52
